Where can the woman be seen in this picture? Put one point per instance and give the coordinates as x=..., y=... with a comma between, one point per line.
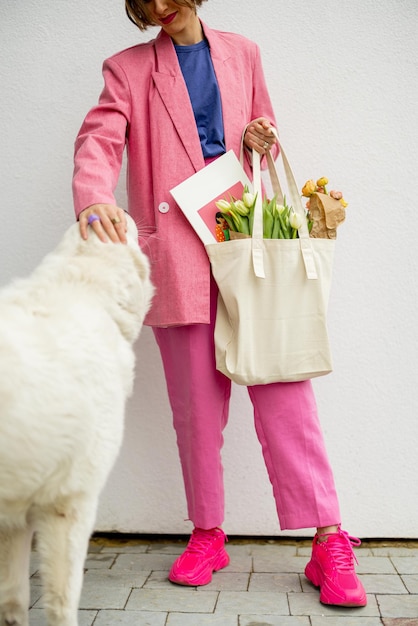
x=177, y=102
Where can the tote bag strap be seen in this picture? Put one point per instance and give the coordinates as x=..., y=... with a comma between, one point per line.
x=257, y=241
x=305, y=241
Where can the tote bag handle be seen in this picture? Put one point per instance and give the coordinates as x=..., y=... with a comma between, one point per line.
x=304, y=240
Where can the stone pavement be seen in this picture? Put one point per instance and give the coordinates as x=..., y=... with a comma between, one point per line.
x=126, y=585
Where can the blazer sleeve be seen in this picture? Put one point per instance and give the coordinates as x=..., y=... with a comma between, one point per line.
x=261, y=103
x=100, y=143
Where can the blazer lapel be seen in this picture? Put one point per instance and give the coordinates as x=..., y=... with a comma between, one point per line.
x=169, y=82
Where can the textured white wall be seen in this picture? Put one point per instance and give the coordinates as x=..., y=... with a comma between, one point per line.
x=343, y=79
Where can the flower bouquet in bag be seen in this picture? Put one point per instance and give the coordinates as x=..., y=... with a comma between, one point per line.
x=324, y=212
x=279, y=220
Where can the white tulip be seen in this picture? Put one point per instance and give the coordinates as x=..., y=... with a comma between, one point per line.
x=295, y=220
x=248, y=199
x=223, y=205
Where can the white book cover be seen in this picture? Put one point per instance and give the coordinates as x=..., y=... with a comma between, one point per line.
x=196, y=196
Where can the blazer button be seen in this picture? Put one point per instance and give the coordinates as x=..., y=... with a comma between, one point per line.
x=163, y=207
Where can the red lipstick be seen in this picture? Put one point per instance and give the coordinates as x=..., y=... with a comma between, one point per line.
x=168, y=19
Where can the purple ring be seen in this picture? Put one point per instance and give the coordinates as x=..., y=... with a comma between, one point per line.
x=93, y=218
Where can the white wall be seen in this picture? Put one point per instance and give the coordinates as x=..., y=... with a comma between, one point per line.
x=343, y=79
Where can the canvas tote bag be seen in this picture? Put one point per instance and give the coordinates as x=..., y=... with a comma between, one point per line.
x=273, y=297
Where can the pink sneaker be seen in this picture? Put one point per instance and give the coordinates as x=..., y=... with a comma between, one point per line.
x=332, y=569
x=205, y=553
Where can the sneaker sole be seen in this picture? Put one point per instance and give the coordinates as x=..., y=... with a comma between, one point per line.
x=314, y=576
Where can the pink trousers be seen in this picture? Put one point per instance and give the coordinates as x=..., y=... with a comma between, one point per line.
x=286, y=423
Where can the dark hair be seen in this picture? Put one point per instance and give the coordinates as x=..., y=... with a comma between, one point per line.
x=135, y=11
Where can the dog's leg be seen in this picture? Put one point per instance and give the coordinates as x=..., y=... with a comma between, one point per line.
x=15, y=545
x=63, y=538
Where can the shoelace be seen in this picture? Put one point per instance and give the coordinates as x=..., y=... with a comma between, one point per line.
x=343, y=553
x=200, y=540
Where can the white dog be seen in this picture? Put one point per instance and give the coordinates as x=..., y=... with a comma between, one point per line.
x=66, y=370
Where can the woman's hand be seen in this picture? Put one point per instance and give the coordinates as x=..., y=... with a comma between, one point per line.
x=107, y=220
x=259, y=135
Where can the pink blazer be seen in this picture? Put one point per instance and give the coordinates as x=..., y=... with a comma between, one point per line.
x=145, y=106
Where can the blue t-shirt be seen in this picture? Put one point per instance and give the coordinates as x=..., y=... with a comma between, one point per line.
x=199, y=75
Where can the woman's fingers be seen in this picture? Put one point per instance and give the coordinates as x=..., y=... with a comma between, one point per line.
x=259, y=135
x=107, y=220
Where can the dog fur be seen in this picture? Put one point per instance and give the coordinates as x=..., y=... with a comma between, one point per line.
x=66, y=371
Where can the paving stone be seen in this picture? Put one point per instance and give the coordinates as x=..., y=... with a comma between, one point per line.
x=345, y=621
x=197, y=619
x=221, y=581
x=276, y=550
x=143, y=562
x=35, y=593
x=286, y=564
x=307, y=586
x=281, y=583
x=395, y=551
x=130, y=618
x=227, y=581
x=182, y=599
x=126, y=549
x=398, y=606
x=308, y=604
x=157, y=580
x=400, y=621
x=375, y=565
x=240, y=563
x=100, y=561
x=36, y=578
x=175, y=549
x=383, y=583
x=119, y=577
x=411, y=582
x=241, y=550
x=105, y=596
x=273, y=620
x=245, y=549
x=359, y=552
x=253, y=602
x=405, y=564
x=37, y=617
x=305, y=551
x=34, y=563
